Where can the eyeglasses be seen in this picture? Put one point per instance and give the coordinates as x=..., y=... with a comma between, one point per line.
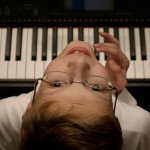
x=60, y=79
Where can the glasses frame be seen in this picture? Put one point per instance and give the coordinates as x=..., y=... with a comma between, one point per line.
x=81, y=82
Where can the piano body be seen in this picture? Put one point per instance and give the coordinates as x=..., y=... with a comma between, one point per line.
x=32, y=33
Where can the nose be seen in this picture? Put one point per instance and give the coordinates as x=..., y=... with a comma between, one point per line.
x=79, y=66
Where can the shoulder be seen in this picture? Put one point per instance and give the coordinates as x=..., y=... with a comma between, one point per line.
x=11, y=111
x=132, y=117
x=130, y=114
x=135, y=123
x=14, y=105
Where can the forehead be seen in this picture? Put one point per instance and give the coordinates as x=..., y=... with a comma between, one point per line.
x=84, y=113
x=87, y=112
x=78, y=98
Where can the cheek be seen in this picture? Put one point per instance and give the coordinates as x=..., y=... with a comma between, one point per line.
x=102, y=106
x=54, y=65
x=106, y=99
x=45, y=92
x=99, y=69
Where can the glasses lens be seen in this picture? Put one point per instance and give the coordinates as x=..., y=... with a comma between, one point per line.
x=98, y=82
x=57, y=76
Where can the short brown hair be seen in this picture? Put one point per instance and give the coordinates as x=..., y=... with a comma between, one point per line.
x=42, y=131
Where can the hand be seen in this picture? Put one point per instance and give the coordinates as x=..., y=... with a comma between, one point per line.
x=117, y=63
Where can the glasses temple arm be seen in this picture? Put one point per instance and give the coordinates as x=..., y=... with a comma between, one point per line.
x=116, y=97
x=35, y=86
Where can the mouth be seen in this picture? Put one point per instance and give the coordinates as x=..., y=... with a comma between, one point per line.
x=79, y=50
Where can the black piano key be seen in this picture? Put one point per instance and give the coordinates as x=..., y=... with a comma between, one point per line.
x=132, y=43
x=96, y=40
x=34, y=44
x=106, y=29
x=116, y=33
x=44, y=44
x=70, y=34
x=54, y=43
x=19, y=43
x=8, y=43
x=80, y=35
x=143, y=44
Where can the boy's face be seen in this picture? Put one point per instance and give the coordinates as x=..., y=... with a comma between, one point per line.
x=78, y=60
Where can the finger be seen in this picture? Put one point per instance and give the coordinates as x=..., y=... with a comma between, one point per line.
x=113, y=66
x=109, y=38
x=110, y=49
x=118, y=79
x=100, y=45
x=114, y=51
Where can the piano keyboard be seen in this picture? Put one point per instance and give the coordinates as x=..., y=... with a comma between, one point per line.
x=25, y=52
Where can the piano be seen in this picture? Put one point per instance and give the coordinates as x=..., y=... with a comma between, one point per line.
x=33, y=33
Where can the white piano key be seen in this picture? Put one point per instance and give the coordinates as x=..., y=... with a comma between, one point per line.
x=91, y=36
x=102, y=55
x=75, y=33
x=0, y=39
x=12, y=64
x=131, y=69
x=3, y=62
x=86, y=34
x=39, y=65
x=65, y=38
x=21, y=65
x=30, y=64
x=147, y=62
x=139, y=68
x=121, y=39
x=49, y=48
x=60, y=40
x=111, y=31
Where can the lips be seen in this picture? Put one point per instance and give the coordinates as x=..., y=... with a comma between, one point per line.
x=79, y=50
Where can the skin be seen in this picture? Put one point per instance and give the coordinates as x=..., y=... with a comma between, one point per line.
x=78, y=59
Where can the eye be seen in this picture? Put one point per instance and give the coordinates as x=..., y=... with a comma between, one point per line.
x=97, y=87
x=57, y=83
